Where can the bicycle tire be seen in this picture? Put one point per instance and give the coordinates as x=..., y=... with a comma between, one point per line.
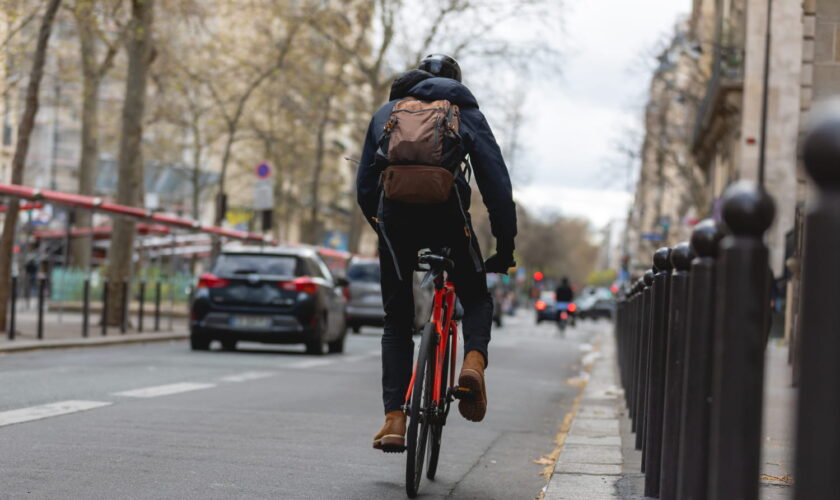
x=437, y=429
x=418, y=427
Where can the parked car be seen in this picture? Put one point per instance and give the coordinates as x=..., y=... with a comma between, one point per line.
x=364, y=305
x=274, y=295
x=596, y=303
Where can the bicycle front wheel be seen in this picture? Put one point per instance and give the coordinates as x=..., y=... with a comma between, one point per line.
x=421, y=402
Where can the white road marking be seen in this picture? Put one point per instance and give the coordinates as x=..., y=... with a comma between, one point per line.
x=48, y=410
x=311, y=363
x=245, y=376
x=163, y=390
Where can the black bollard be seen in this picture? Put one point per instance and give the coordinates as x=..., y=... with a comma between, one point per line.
x=644, y=359
x=697, y=386
x=674, y=368
x=157, y=306
x=629, y=382
x=656, y=379
x=142, y=303
x=739, y=342
x=126, y=302
x=104, y=308
x=42, y=287
x=13, y=312
x=818, y=433
x=85, y=307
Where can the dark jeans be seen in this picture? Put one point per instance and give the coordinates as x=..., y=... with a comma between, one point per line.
x=409, y=230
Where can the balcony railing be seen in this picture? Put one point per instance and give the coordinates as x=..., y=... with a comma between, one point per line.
x=727, y=76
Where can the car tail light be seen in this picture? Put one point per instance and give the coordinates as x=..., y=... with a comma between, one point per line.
x=540, y=305
x=572, y=307
x=210, y=280
x=302, y=285
x=564, y=315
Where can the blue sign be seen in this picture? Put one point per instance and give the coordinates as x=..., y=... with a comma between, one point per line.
x=263, y=170
x=653, y=236
x=336, y=240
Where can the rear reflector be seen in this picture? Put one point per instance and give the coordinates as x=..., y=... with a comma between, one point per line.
x=564, y=315
x=210, y=280
x=572, y=307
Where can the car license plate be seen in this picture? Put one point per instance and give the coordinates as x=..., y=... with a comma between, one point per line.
x=373, y=299
x=251, y=321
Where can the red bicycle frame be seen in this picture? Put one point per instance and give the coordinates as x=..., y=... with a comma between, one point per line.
x=444, y=300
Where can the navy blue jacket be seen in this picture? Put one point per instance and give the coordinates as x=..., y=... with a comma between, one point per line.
x=489, y=167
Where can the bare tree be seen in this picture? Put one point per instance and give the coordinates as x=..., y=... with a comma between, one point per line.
x=94, y=70
x=130, y=182
x=27, y=123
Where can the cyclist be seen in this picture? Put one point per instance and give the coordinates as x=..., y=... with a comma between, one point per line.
x=411, y=227
x=564, y=292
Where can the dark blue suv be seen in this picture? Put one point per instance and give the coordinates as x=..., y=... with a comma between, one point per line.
x=276, y=295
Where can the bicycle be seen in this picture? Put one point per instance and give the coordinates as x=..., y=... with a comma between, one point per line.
x=428, y=407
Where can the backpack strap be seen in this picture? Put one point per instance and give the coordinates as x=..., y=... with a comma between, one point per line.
x=380, y=224
x=477, y=262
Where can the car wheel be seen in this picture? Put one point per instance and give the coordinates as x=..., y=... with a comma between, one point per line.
x=337, y=345
x=357, y=329
x=316, y=345
x=199, y=342
x=229, y=345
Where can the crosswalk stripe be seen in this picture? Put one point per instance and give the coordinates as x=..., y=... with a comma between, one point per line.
x=163, y=390
x=48, y=410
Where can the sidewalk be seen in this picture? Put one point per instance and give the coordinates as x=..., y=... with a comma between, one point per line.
x=64, y=329
x=598, y=459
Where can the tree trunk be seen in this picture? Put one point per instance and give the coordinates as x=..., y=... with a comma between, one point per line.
x=129, y=185
x=314, y=232
x=27, y=123
x=80, y=248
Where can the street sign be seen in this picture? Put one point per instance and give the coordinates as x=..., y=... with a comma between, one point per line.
x=653, y=236
x=336, y=240
x=263, y=170
x=263, y=195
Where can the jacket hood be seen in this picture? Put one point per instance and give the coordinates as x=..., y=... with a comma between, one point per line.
x=444, y=88
x=406, y=81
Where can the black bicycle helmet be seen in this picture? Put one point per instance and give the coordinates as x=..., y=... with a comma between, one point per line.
x=441, y=65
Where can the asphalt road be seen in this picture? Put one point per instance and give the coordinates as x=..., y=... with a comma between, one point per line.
x=160, y=421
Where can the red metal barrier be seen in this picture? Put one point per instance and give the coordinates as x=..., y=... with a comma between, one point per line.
x=97, y=204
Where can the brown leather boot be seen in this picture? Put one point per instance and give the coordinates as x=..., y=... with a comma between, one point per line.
x=472, y=378
x=391, y=438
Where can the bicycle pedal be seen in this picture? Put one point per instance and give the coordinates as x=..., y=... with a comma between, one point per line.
x=463, y=393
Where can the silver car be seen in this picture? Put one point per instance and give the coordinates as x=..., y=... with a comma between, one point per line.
x=364, y=304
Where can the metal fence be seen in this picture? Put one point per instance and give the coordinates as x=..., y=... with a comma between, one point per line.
x=691, y=340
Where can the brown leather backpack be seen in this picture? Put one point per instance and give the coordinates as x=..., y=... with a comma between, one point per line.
x=424, y=151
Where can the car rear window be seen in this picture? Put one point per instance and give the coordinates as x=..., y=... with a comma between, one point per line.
x=367, y=272
x=277, y=265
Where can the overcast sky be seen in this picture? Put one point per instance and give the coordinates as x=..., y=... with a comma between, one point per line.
x=574, y=122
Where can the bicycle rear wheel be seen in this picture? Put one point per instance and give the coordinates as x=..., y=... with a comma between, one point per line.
x=421, y=402
x=437, y=428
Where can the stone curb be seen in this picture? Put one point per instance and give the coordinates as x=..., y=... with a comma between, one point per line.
x=131, y=338
x=591, y=462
